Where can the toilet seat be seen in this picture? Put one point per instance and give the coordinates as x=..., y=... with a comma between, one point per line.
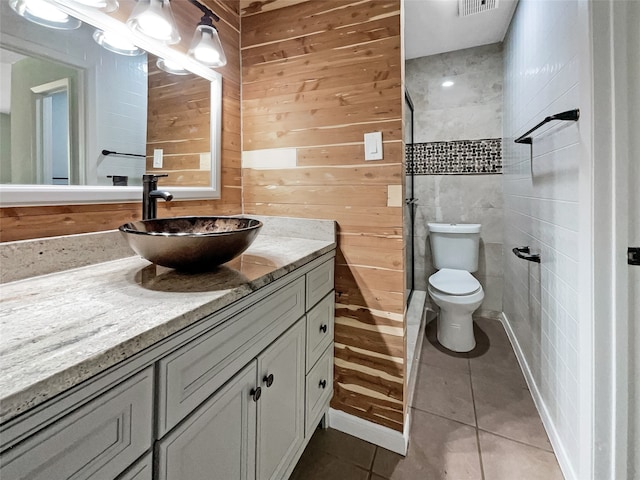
x=454, y=282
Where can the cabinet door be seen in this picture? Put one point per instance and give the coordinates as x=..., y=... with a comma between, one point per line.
x=218, y=441
x=141, y=470
x=96, y=441
x=281, y=407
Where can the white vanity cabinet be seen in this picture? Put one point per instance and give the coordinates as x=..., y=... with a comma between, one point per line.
x=251, y=428
x=235, y=396
x=281, y=370
x=219, y=439
x=98, y=440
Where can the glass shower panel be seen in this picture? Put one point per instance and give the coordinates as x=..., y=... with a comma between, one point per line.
x=409, y=202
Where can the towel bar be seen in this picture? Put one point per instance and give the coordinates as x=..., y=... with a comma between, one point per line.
x=525, y=254
x=569, y=115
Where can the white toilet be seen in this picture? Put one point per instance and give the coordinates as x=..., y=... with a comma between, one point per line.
x=454, y=250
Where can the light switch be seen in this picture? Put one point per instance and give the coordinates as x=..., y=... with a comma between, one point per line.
x=373, y=146
x=157, y=158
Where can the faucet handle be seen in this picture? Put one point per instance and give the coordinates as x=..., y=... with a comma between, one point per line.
x=152, y=177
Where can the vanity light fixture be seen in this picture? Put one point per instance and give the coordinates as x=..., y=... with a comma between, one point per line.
x=104, y=5
x=205, y=45
x=171, y=67
x=45, y=14
x=154, y=19
x=116, y=44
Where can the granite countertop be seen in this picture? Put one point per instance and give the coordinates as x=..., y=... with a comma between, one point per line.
x=60, y=329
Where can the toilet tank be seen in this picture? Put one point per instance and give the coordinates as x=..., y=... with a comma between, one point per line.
x=455, y=245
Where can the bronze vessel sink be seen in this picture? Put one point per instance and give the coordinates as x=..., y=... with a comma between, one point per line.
x=191, y=243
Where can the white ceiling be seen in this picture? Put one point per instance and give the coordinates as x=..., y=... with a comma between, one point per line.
x=433, y=26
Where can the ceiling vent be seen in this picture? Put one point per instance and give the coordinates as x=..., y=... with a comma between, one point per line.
x=471, y=7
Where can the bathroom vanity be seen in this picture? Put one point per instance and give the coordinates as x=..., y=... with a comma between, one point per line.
x=125, y=370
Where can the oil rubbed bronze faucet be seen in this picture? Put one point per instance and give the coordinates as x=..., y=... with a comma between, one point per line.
x=150, y=195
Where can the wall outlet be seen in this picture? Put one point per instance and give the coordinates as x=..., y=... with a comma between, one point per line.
x=157, y=158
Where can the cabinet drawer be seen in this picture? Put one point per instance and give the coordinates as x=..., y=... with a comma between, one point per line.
x=320, y=328
x=319, y=283
x=188, y=376
x=98, y=440
x=319, y=389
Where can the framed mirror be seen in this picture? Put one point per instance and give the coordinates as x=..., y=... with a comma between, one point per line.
x=81, y=124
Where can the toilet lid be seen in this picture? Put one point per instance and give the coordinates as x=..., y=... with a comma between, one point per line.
x=454, y=282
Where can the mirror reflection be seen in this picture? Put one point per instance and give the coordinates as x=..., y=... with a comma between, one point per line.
x=74, y=113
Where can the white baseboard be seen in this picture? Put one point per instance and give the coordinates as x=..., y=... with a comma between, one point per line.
x=371, y=432
x=554, y=438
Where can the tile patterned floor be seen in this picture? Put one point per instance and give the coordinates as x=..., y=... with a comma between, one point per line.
x=473, y=418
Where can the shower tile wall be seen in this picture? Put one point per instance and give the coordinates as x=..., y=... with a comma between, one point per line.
x=470, y=110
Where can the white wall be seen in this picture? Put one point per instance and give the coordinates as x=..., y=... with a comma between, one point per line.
x=616, y=76
x=121, y=112
x=547, y=205
x=633, y=62
x=633, y=18
x=114, y=94
x=471, y=109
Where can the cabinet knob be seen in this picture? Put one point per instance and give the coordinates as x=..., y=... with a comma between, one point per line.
x=256, y=393
x=323, y=328
x=268, y=379
x=323, y=384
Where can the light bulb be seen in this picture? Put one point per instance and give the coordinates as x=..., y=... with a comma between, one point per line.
x=116, y=43
x=154, y=19
x=106, y=5
x=171, y=67
x=154, y=25
x=206, y=48
x=46, y=11
x=204, y=52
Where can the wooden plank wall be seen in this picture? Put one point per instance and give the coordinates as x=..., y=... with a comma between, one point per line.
x=178, y=122
x=316, y=76
x=19, y=223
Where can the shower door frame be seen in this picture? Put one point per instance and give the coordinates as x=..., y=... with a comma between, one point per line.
x=410, y=204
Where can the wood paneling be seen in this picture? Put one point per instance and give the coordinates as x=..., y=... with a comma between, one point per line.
x=181, y=113
x=20, y=223
x=368, y=174
x=178, y=122
x=345, y=155
x=248, y=7
x=315, y=17
x=366, y=72
x=316, y=76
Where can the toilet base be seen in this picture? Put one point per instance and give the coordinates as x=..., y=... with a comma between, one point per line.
x=455, y=331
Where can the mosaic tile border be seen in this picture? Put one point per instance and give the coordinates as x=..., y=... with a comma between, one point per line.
x=458, y=157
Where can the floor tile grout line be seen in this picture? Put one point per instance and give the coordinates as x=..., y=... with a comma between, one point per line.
x=373, y=461
x=516, y=441
x=444, y=417
x=482, y=476
x=477, y=428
